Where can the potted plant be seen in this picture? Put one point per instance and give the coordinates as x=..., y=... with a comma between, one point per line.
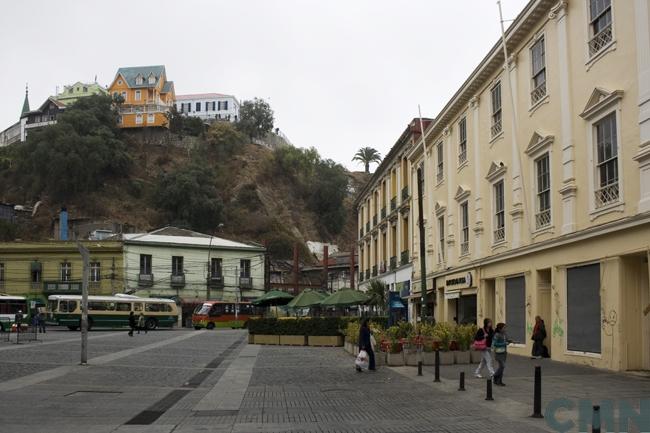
x=381, y=348
x=352, y=338
x=461, y=346
x=443, y=333
x=395, y=356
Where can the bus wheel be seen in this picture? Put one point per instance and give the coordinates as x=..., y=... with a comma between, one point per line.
x=151, y=323
x=210, y=325
x=73, y=328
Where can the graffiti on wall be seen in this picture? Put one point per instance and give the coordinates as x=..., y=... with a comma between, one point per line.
x=558, y=323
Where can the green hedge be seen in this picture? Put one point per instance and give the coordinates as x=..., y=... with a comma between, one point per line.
x=315, y=326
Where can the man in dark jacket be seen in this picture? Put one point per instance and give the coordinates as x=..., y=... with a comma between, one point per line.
x=131, y=323
x=365, y=344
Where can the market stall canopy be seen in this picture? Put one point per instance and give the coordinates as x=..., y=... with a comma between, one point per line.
x=345, y=297
x=274, y=297
x=307, y=298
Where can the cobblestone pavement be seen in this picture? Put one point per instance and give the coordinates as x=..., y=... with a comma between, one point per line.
x=185, y=381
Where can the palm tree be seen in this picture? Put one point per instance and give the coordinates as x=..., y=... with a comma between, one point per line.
x=366, y=155
x=377, y=292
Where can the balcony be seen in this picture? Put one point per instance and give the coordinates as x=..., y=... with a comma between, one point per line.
x=543, y=219
x=606, y=195
x=404, y=257
x=374, y=271
x=393, y=203
x=245, y=282
x=215, y=281
x=368, y=227
x=600, y=41
x=178, y=280
x=405, y=193
x=393, y=263
x=464, y=248
x=62, y=287
x=499, y=235
x=144, y=108
x=496, y=128
x=145, y=280
x=462, y=157
x=383, y=212
x=374, y=220
x=537, y=94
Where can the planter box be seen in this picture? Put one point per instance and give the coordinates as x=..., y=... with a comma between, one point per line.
x=475, y=356
x=429, y=358
x=446, y=358
x=395, y=359
x=328, y=341
x=411, y=358
x=380, y=358
x=293, y=340
x=251, y=339
x=355, y=350
x=462, y=357
x=267, y=339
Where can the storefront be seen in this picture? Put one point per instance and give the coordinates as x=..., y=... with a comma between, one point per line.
x=457, y=297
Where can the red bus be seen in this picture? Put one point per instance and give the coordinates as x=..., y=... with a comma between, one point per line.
x=224, y=314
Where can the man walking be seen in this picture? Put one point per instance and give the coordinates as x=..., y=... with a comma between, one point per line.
x=131, y=323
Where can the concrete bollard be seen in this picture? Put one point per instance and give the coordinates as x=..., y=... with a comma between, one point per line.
x=489, y=390
x=419, y=368
x=537, y=394
x=437, y=379
x=461, y=387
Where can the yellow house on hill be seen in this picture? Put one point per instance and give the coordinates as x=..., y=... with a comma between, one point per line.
x=146, y=96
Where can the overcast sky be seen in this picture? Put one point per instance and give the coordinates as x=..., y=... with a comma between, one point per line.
x=339, y=75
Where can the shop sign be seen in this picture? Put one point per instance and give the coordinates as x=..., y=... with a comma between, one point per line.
x=459, y=281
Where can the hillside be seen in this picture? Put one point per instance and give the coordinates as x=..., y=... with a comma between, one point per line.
x=261, y=200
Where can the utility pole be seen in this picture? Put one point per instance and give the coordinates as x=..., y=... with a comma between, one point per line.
x=423, y=257
x=325, y=267
x=85, y=255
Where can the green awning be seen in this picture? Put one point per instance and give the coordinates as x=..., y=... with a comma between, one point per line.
x=345, y=297
x=307, y=298
x=274, y=297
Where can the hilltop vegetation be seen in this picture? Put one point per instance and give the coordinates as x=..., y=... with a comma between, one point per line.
x=209, y=180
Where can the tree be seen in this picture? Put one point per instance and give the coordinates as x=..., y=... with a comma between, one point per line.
x=367, y=155
x=189, y=197
x=77, y=154
x=328, y=188
x=225, y=138
x=255, y=118
x=377, y=292
x=184, y=125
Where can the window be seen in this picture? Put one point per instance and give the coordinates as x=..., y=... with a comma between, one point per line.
x=145, y=264
x=177, y=265
x=496, y=110
x=124, y=95
x=245, y=268
x=139, y=80
x=600, y=25
x=85, y=89
x=441, y=239
x=215, y=268
x=138, y=119
x=157, y=307
x=607, y=161
x=119, y=119
x=214, y=104
x=441, y=164
x=462, y=141
x=151, y=118
x=543, y=180
x=95, y=272
x=464, y=229
x=225, y=105
x=138, y=95
x=123, y=306
x=499, y=213
x=35, y=272
x=198, y=106
x=152, y=79
x=65, y=271
x=538, y=59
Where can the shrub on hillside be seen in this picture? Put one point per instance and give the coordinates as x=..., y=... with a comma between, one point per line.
x=184, y=125
x=225, y=139
x=255, y=118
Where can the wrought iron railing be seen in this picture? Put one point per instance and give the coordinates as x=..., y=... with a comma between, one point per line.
x=368, y=227
x=367, y=274
x=178, y=280
x=499, y=234
x=361, y=232
x=62, y=286
x=215, y=280
x=405, y=193
x=464, y=248
x=599, y=41
x=145, y=280
x=440, y=176
x=462, y=157
x=246, y=282
x=538, y=93
x=393, y=204
x=606, y=195
x=404, y=257
x=496, y=129
x=374, y=220
x=393, y=263
x=543, y=218
x=383, y=212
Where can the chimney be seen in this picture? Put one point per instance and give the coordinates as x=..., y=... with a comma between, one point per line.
x=63, y=224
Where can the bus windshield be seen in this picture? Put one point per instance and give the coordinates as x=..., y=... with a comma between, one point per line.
x=203, y=309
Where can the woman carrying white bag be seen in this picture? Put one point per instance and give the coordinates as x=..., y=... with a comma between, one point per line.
x=366, y=358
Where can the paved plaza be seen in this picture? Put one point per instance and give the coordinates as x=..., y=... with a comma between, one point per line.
x=213, y=381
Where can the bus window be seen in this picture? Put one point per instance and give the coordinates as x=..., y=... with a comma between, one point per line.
x=137, y=306
x=217, y=310
x=156, y=307
x=67, y=306
x=52, y=306
x=123, y=306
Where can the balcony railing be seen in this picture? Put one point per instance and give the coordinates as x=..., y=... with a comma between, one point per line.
x=464, y=248
x=35, y=285
x=62, y=287
x=405, y=193
x=599, y=41
x=496, y=129
x=367, y=274
x=360, y=276
x=145, y=280
x=368, y=227
x=499, y=234
x=606, y=195
x=144, y=108
x=178, y=280
x=543, y=218
x=393, y=204
x=404, y=257
x=245, y=282
x=537, y=94
x=440, y=176
x=374, y=271
x=393, y=263
x=215, y=280
x=374, y=220
x=361, y=232
x=383, y=212
x=462, y=157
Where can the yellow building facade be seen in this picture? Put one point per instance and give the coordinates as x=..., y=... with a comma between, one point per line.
x=39, y=269
x=146, y=94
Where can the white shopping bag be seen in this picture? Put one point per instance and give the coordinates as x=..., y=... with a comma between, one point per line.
x=362, y=360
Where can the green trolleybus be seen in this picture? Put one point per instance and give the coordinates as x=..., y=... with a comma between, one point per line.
x=112, y=311
x=9, y=306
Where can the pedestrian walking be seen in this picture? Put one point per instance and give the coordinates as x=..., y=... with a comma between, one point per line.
x=41, y=322
x=18, y=318
x=483, y=343
x=539, y=334
x=131, y=323
x=500, y=343
x=366, y=344
x=141, y=323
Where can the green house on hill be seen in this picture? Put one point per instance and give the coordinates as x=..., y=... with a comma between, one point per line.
x=73, y=92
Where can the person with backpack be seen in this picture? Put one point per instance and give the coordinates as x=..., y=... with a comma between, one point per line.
x=483, y=343
x=500, y=343
x=539, y=334
x=366, y=344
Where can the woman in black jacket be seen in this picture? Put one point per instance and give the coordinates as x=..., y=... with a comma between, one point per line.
x=485, y=333
x=539, y=334
x=365, y=344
